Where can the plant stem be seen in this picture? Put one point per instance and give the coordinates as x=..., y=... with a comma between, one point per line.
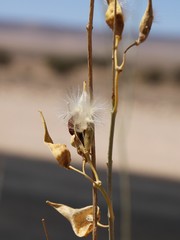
x=45, y=229
x=115, y=76
x=98, y=186
x=89, y=28
x=90, y=88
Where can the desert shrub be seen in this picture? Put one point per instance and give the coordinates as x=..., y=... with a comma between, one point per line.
x=153, y=76
x=5, y=57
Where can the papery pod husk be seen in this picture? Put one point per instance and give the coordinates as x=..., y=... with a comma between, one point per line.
x=75, y=142
x=81, y=219
x=61, y=154
x=88, y=137
x=146, y=23
x=59, y=151
x=119, y=17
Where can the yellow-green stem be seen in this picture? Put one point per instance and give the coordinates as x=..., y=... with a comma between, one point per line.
x=88, y=160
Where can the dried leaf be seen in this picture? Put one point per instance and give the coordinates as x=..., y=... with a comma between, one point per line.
x=81, y=219
x=59, y=151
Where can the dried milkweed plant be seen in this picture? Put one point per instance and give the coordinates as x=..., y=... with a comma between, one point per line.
x=81, y=117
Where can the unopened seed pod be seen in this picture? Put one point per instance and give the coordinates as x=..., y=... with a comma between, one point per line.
x=110, y=13
x=146, y=23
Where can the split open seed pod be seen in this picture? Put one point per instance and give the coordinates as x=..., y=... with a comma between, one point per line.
x=75, y=142
x=81, y=219
x=59, y=151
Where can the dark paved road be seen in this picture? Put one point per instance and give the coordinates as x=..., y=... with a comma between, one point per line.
x=27, y=184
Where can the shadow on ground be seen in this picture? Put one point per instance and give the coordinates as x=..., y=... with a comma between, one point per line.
x=27, y=184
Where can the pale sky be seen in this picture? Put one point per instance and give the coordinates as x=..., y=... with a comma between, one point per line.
x=75, y=13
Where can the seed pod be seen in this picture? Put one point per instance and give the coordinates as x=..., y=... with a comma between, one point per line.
x=119, y=17
x=71, y=126
x=81, y=219
x=88, y=137
x=59, y=151
x=75, y=142
x=146, y=23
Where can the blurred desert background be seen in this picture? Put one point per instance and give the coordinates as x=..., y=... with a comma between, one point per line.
x=40, y=65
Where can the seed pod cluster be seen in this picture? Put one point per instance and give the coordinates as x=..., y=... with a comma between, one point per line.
x=110, y=15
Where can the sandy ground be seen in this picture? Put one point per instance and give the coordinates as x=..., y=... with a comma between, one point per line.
x=147, y=128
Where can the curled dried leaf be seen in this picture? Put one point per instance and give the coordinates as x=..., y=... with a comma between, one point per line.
x=110, y=14
x=146, y=23
x=81, y=219
x=59, y=151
